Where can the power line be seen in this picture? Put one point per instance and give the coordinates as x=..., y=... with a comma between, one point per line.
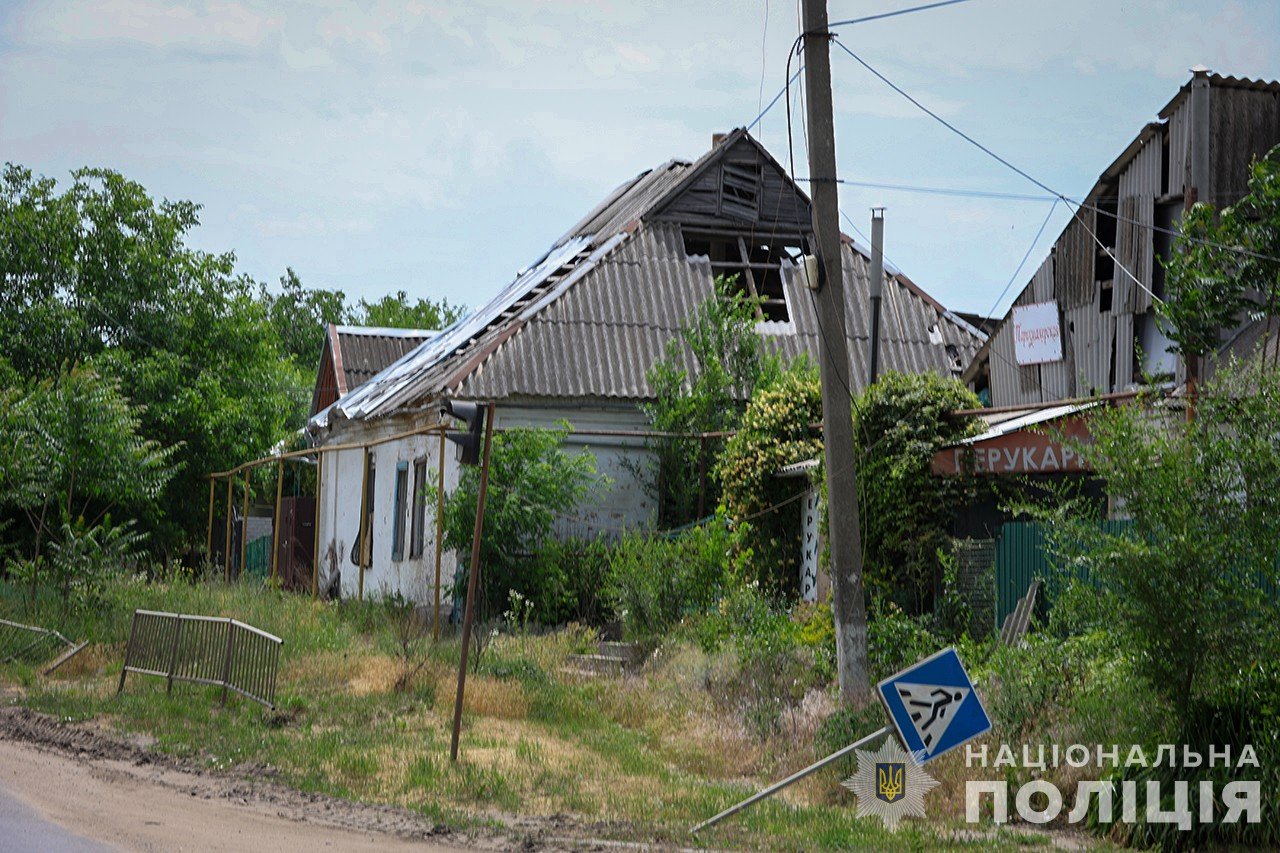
x=1069, y=201
x=951, y=191
x=896, y=13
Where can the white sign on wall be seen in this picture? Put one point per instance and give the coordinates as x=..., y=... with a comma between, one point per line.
x=1037, y=336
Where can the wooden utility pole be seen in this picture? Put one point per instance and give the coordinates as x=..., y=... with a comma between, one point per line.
x=275, y=522
x=837, y=417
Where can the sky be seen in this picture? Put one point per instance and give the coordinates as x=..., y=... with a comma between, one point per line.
x=439, y=147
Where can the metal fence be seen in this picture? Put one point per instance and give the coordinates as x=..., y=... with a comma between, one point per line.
x=212, y=650
x=29, y=643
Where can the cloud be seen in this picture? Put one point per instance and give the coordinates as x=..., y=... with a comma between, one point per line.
x=213, y=24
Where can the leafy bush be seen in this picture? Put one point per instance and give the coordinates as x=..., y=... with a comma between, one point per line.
x=532, y=481
x=775, y=432
x=896, y=640
x=567, y=581
x=1189, y=586
x=770, y=667
x=899, y=423
x=654, y=581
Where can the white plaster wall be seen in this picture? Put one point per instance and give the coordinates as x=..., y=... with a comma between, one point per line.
x=412, y=577
x=623, y=502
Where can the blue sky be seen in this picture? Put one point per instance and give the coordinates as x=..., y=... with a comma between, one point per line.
x=438, y=147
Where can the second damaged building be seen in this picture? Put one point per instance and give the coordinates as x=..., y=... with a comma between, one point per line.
x=1086, y=324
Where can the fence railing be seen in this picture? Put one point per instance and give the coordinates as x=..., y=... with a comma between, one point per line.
x=212, y=650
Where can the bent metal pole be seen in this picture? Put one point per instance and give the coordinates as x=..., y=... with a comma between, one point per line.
x=791, y=780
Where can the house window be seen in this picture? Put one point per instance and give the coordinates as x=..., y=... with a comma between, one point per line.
x=417, y=526
x=754, y=264
x=398, y=515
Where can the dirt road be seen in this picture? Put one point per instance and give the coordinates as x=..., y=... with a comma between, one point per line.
x=63, y=788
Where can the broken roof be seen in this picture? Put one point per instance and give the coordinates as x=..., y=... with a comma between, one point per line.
x=590, y=317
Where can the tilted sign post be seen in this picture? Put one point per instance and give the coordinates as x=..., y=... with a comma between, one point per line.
x=933, y=706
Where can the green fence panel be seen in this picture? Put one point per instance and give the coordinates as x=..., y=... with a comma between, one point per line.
x=257, y=558
x=1022, y=556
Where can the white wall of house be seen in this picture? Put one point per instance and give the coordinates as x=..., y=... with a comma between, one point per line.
x=623, y=501
x=391, y=570
x=619, y=503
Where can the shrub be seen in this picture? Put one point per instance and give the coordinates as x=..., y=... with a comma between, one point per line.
x=899, y=423
x=654, y=581
x=775, y=432
x=532, y=481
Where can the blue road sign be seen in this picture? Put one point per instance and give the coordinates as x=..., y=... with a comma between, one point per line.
x=933, y=706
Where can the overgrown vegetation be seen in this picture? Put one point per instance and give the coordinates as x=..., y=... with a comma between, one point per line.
x=532, y=481
x=900, y=422
x=701, y=385
x=101, y=293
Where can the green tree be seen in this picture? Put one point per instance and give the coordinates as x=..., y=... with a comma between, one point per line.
x=396, y=311
x=100, y=272
x=701, y=385
x=1224, y=264
x=900, y=422
x=532, y=481
x=299, y=315
x=1189, y=587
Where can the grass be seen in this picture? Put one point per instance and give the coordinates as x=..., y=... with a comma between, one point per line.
x=640, y=758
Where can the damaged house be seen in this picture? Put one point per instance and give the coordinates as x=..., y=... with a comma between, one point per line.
x=572, y=338
x=1085, y=323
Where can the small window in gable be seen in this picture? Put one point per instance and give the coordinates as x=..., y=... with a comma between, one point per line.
x=754, y=263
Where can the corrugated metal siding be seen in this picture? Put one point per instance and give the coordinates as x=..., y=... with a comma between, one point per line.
x=1139, y=188
x=1180, y=148
x=1244, y=124
x=1022, y=556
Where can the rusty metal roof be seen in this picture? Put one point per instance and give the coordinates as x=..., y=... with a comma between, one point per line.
x=589, y=319
x=365, y=351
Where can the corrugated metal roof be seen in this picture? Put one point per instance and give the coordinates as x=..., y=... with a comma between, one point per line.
x=1007, y=422
x=592, y=316
x=601, y=336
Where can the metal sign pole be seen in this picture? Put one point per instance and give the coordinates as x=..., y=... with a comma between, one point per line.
x=792, y=779
x=472, y=586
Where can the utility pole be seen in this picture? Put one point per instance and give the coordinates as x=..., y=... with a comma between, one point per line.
x=877, y=287
x=837, y=417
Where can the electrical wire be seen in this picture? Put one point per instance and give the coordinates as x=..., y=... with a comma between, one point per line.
x=1022, y=172
x=894, y=14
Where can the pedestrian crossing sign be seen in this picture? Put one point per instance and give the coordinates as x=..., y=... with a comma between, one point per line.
x=933, y=706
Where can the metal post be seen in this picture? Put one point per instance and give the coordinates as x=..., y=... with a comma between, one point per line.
x=244, y=526
x=226, y=666
x=435, y=627
x=365, y=527
x=315, y=554
x=837, y=417
x=128, y=650
x=173, y=653
x=877, y=286
x=208, y=536
x=792, y=779
x=226, y=547
x=469, y=613
x=275, y=522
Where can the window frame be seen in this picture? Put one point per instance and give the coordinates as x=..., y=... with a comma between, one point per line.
x=400, y=491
